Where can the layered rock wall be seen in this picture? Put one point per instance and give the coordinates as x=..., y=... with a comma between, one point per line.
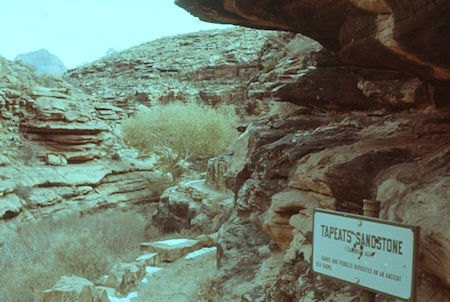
x=61, y=152
x=210, y=67
x=305, y=162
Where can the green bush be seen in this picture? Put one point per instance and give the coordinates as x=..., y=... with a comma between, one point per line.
x=180, y=131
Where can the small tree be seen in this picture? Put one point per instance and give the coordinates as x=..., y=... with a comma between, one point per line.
x=179, y=131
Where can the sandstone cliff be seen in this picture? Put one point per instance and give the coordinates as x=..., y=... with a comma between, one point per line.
x=374, y=124
x=60, y=138
x=61, y=152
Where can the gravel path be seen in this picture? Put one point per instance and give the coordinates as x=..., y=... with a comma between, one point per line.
x=181, y=281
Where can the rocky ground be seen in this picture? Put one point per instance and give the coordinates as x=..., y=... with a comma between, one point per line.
x=366, y=117
x=183, y=280
x=168, y=270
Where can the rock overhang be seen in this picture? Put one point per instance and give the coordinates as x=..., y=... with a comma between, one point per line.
x=408, y=36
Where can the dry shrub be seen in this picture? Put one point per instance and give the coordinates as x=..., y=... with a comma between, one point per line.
x=179, y=131
x=300, y=46
x=39, y=253
x=84, y=254
x=269, y=64
x=49, y=80
x=208, y=290
x=282, y=109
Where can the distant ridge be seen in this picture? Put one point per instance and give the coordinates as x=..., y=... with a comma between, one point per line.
x=43, y=61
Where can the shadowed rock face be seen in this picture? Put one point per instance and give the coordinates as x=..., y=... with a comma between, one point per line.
x=305, y=162
x=411, y=36
x=383, y=37
x=324, y=81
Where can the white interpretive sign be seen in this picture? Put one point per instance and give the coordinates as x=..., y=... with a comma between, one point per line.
x=371, y=253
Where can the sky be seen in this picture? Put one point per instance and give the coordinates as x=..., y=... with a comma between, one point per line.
x=80, y=31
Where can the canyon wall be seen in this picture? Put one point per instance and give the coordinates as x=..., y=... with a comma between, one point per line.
x=364, y=116
x=61, y=146
x=372, y=123
x=61, y=152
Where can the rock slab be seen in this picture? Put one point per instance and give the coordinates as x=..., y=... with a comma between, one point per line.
x=73, y=289
x=172, y=249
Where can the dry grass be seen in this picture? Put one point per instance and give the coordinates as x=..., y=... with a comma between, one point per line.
x=282, y=109
x=39, y=253
x=185, y=233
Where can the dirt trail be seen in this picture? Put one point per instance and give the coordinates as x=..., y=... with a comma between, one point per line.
x=179, y=281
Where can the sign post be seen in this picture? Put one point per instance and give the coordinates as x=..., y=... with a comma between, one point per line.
x=376, y=255
x=371, y=208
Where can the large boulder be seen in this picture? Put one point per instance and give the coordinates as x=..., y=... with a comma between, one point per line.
x=172, y=249
x=192, y=205
x=71, y=289
x=123, y=277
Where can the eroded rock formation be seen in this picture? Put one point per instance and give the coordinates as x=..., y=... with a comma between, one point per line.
x=72, y=288
x=305, y=162
x=386, y=59
x=61, y=152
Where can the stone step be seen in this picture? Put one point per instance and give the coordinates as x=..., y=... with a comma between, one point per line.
x=172, y=249
x=148, y=259
x=123, y=277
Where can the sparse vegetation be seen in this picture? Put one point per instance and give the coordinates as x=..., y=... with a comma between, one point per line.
x=269, y=64
x=39, y=253
x=178, y=132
